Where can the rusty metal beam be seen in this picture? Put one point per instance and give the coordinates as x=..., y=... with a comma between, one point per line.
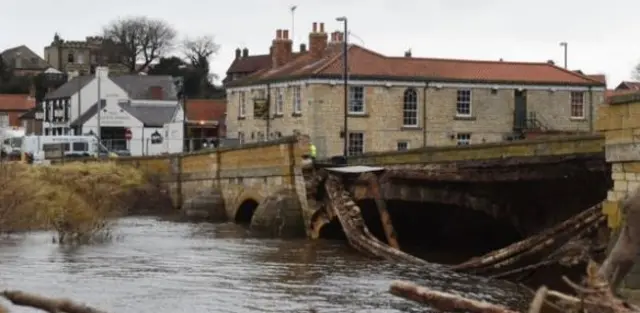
x=385, y=217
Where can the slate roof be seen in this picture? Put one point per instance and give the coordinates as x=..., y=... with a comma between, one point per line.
x=69, y=88
x=28, y=58
x=151, y=115
x=137, y=86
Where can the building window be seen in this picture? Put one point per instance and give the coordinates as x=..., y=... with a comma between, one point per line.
x=80, y=59
x=403, y=145
x=463, y=103
x=297, y=102
x=278, y=135
x=410, y=108
x=4, y=120
x=464, y=139
x=279, y=101
x=356, y=143
x=356, y=100
x=241, y=138
x=70, y=57
x=242, y=105
x=260, y=136
x=577, y=104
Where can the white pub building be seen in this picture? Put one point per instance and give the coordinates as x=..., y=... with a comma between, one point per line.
x=133, y=109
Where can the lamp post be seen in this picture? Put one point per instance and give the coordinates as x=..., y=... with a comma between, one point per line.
x=183, y=98
x=564, y=44
x=345, y=70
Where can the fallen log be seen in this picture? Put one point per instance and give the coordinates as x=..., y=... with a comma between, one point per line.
x=443, y=301
x=524, y=245
x=50, y=305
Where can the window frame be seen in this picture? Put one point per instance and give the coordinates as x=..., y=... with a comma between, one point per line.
x=463, y=139
x=351, y=140
x=353, y=92
x=461, y=102
x=279, y=107
x=297, y=99
x=410, y=98
x=574, y=104
x=4, y=117
x=242, y=108
x=403, y=142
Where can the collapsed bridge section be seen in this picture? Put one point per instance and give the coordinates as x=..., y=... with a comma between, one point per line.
x=531, y=199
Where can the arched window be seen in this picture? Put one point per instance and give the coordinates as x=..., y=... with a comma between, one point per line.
x=410, y=108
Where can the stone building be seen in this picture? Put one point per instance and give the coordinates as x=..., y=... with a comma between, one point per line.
x=84, y=56
x=403, y=102
x=23, y=61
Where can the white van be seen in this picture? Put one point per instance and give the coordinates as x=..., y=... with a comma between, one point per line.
x=73, y=146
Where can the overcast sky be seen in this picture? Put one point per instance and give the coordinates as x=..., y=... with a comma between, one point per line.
x=600, y=33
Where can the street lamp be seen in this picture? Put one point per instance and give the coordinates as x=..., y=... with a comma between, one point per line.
x=564, y=44
x=345, y=70
x=185, y=123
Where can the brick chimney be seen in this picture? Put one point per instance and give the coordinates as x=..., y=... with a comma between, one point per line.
x=337, y=37
x=317, y=40
x=281, y=48
x=245, y=52
x=238, y=53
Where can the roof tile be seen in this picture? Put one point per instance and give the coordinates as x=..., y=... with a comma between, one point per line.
x=364, y=63
x=16, y=102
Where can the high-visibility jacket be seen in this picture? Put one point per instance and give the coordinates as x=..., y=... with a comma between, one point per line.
x=312, y=149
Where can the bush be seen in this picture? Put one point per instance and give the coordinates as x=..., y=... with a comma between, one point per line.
x=78, y=200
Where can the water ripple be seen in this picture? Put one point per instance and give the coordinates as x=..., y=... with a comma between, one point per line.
x=159, y=266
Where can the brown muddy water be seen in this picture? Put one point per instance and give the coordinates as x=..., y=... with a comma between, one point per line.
x=160, y=266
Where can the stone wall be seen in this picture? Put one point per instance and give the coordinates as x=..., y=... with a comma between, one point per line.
x=620, y=123
x=529, y=148
x=322, y=113
x=246, y=174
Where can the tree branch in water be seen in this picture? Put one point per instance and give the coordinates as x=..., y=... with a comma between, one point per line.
x=50, y=305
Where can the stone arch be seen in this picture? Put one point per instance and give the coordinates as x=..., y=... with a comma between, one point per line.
x=206, y=205
x=245, y=205
x=246, y=210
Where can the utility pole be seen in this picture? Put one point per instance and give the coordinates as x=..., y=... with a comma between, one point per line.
x=345, y=77
x=99, y=107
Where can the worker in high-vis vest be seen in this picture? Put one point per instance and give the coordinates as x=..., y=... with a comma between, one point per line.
x=312, y=151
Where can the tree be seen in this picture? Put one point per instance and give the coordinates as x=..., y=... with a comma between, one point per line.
x=176, y=67
x=141, y=39
x=199, y=51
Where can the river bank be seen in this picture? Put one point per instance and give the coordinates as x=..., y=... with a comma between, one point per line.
x=163, y=266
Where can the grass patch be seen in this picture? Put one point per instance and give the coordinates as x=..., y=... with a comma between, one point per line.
x=76, y=200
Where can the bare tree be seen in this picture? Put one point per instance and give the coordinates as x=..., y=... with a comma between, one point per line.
x=199, y=50
x=140, y=39
x=636, y=72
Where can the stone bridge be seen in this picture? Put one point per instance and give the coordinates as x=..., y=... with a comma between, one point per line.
x=496, y=193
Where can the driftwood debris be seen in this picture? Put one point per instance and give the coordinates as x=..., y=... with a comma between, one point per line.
x=46, y=304
x=595, y=297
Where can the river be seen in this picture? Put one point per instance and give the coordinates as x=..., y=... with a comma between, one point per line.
x=160, y=266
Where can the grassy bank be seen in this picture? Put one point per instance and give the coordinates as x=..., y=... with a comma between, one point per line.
x=77, y=200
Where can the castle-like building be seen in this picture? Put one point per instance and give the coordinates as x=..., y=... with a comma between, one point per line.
x=84, y=56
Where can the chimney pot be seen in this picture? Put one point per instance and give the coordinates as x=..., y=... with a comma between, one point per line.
x=333, y=36
x=279, y=34
x=285, y=34
x=315, y=27
x=303, y=47
x=245, y=52
x=407, y=54
x=551, y=62
x=322, y=27
x=238, y=53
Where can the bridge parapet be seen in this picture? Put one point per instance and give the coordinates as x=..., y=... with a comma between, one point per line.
x=570, y=145
x=619, y=120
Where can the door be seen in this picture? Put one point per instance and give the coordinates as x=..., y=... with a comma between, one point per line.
x=520, y=110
